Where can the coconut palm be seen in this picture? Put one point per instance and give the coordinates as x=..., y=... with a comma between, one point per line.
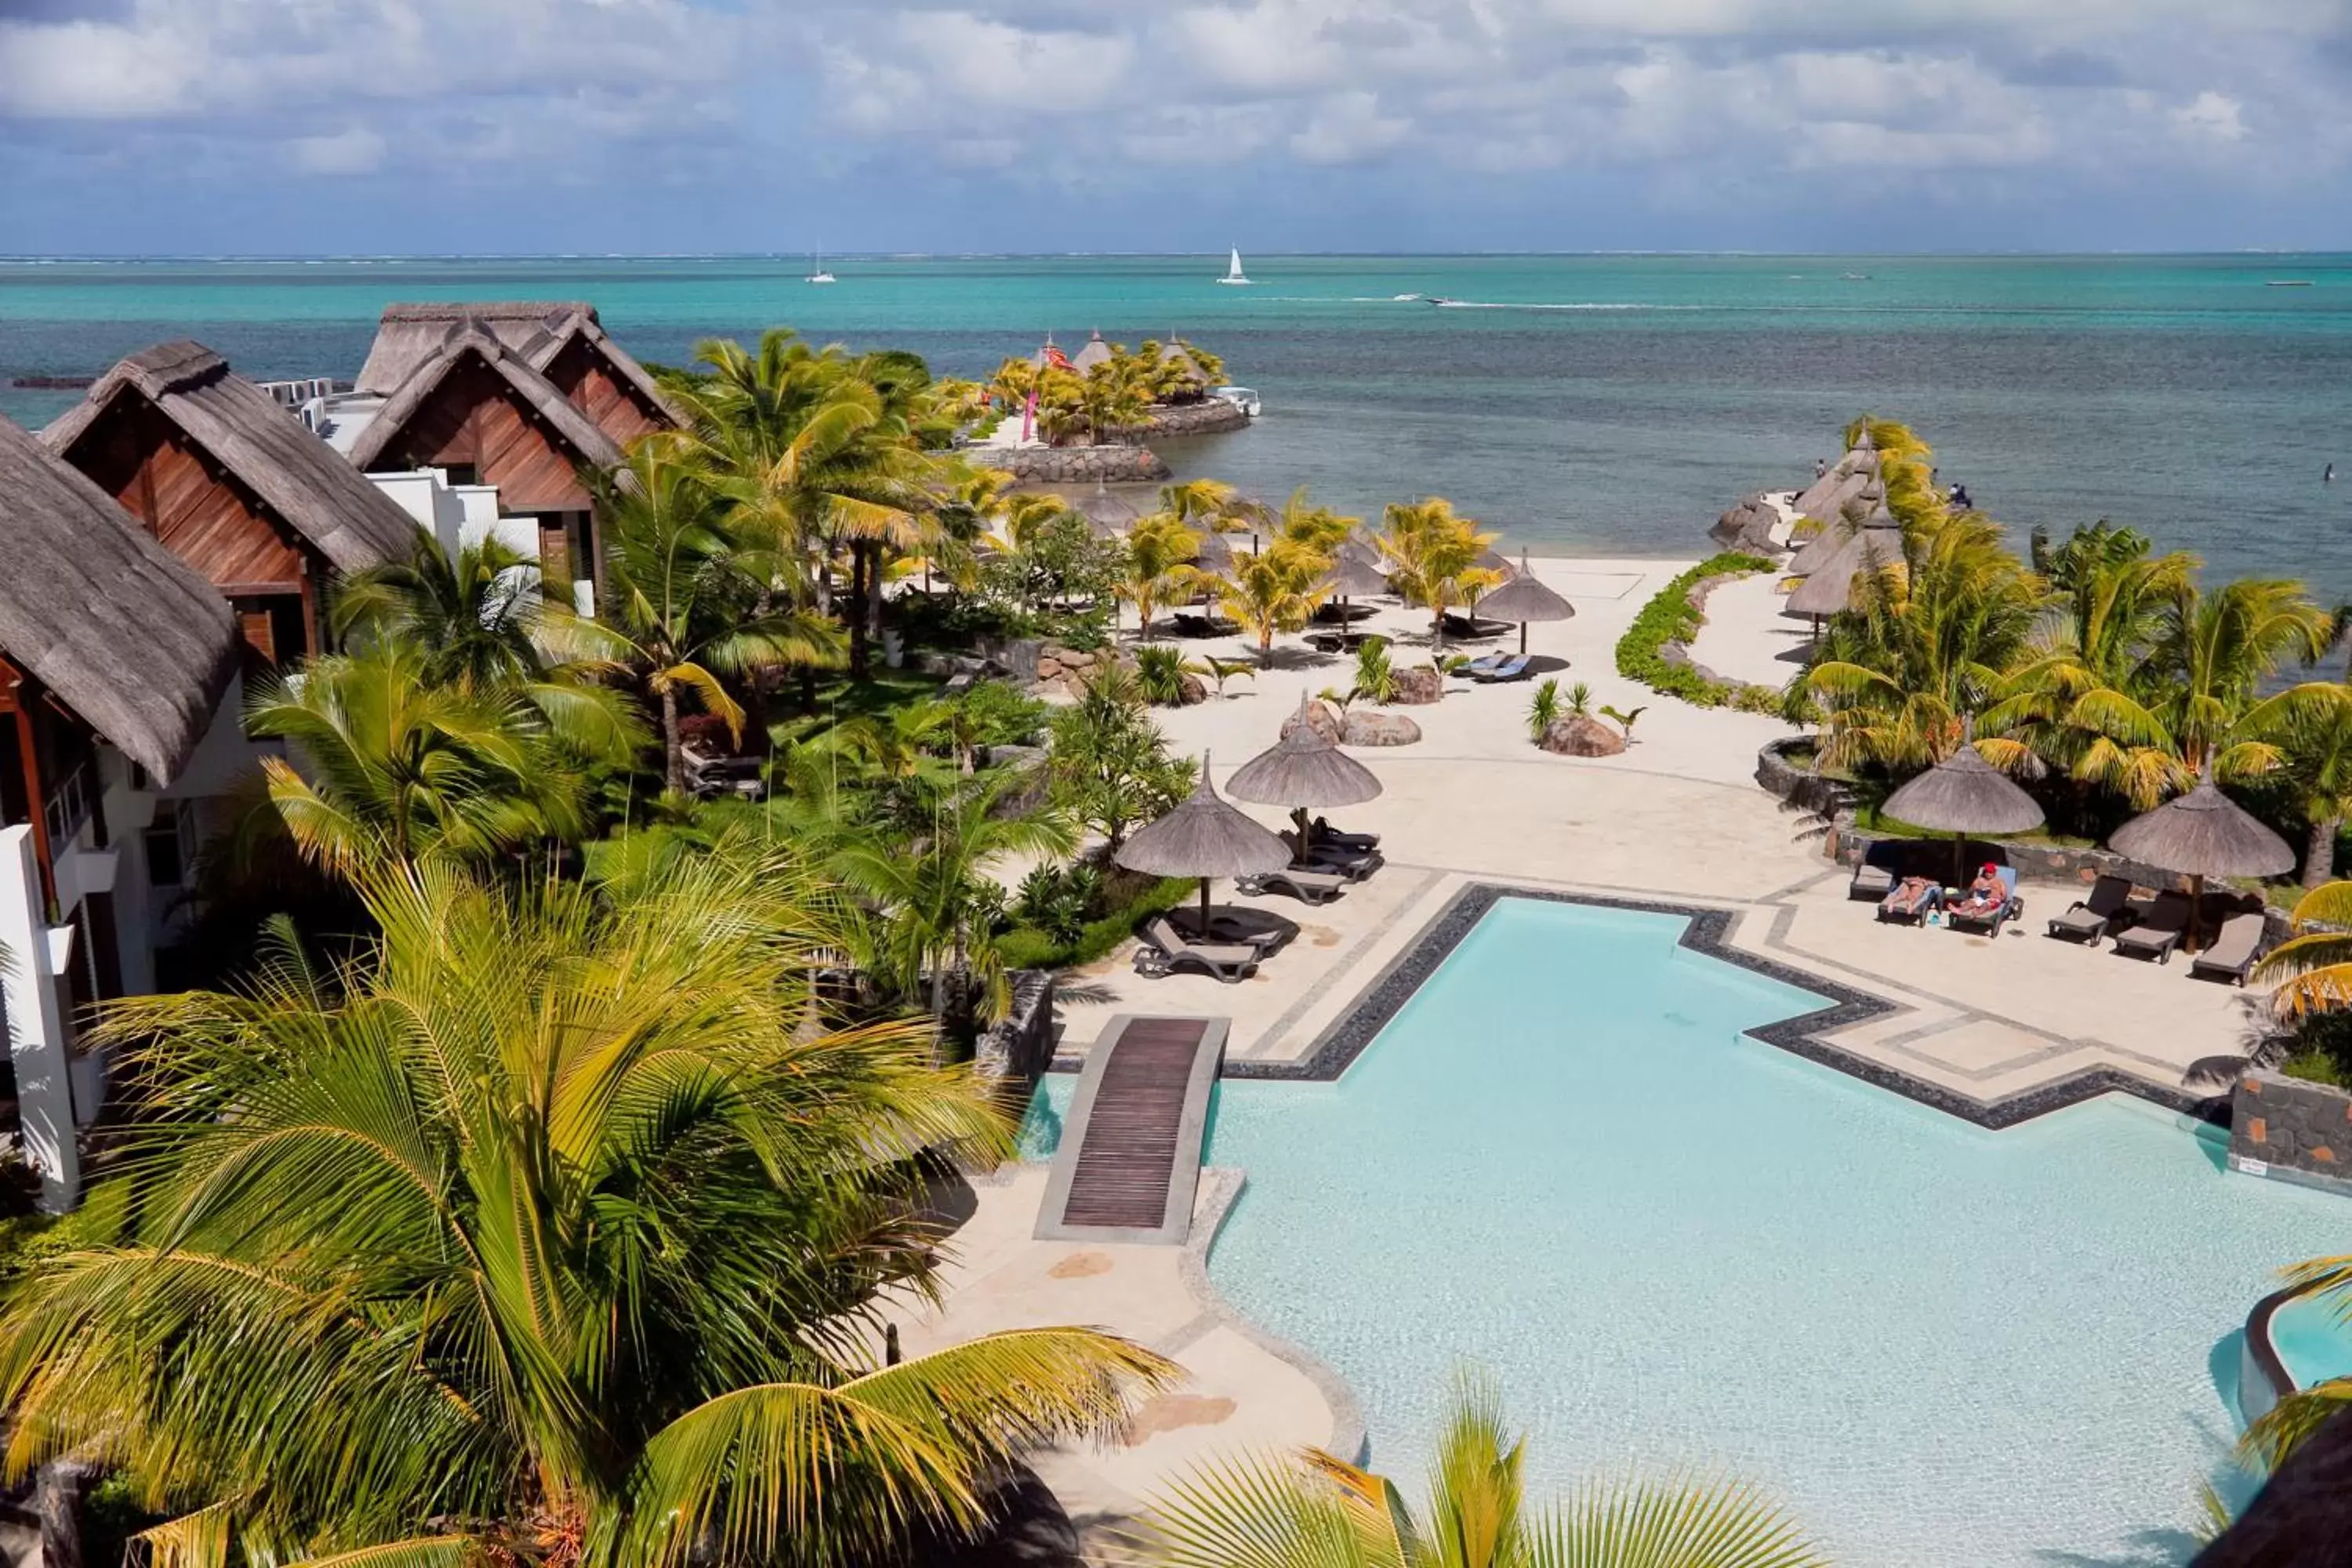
x=1930, y=642
x=1275, y=590
x=397, y=765
x=2110, y=599
x=1114, y=395
x=681, y=610
x=929, y=896
x=1432, y=557
x=2313, y=970
x=549, y=1230
x=477, y=621
x=2192, y=700
x=1161, y=549
x=1319, y=1512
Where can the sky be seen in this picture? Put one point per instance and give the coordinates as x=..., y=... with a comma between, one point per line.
x=333, y=127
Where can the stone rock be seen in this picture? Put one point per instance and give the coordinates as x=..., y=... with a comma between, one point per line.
x=1581, y=735
x=1374, y=729
x=1417, y=686
x=1317, y=717
x=1195, y=691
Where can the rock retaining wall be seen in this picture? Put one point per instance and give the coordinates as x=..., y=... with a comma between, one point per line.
x=1019, y=1046
x=1209, y=416
x=2285, y=1126
x=1078, y=465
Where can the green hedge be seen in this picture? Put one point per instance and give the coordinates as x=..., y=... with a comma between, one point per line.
x=1671, y=617
x=1026, y=947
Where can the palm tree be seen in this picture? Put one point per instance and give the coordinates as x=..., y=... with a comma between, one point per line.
x=550, y=1231
x=398, y=766
x=1931, y=643
x=1110, y=766
x=479, y=624
x=1275, y=590
x=2111, y=599
x=1161, y=549
x=1114, y=395
x=1432, y=557
x=2313, y=969
x=927, y=892
x=1321, y=1511
x=2192, y=701
x=681, y=610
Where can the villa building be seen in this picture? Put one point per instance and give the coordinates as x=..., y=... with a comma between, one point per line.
x=224, y=478
x=115, y=656
x=481, y=418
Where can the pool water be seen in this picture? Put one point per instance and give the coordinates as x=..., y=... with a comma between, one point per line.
x=2313, y=1336
x=1562, y=1163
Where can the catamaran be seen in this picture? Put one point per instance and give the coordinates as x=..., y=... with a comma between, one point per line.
x=817, y=274
x=1234, y=270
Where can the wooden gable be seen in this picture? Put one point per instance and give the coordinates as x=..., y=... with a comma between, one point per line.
x=475, y=420
x=617, y=405
x=193, y=507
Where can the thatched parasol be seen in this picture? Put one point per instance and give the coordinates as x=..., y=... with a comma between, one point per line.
x=1351, y=575
x=1105, y=512
x=1204, y=837
x=2203, y=834
x=1828, y=588
x=1095, y=351
x=1523, y=599
x=1963, y=795
x=1216, y=553
x=1302, y=769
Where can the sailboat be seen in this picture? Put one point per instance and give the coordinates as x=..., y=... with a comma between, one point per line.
x=1234, y=270
x=817, y=274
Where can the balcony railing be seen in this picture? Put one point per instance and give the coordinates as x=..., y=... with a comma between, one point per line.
x=68, y=805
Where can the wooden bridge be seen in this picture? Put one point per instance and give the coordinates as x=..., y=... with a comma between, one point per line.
x=1130, y=1152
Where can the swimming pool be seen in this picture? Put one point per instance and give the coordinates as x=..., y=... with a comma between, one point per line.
x=1671, y=1245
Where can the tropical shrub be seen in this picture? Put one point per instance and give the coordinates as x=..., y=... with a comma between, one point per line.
x=1375, y=676
x=1159, y=673
x=1110, y=920
x=1111, y=772
x=1000, y=715
x=1672, y=616
x=1543, y=708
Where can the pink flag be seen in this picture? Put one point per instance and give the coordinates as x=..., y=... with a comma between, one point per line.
x=1029, y=417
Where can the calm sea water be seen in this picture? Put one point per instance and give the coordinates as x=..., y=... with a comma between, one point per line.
x=1593, y=403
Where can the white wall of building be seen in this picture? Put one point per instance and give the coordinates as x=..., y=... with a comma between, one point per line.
x=41, y=1045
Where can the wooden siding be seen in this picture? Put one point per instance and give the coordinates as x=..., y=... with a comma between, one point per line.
x=619, y=409
x=193, y=507
x=474, y=419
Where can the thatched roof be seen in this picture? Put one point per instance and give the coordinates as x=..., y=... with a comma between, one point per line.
x=1173, y=352
x=407, y=335
x=470, y=339
x=2203, y=834
x=258, y=443
x=1525, y=599
x=1828, y=588
x=1303, y=768
x=1107, y=510
x=1095, y=353
x=1204, y=837
x=1216, y=553
x=1836, y=534
x=123, y=632
x=1964, y=794
x=1352, y=577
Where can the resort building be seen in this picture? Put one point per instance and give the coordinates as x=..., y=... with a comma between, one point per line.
x=224, y=478
x=480, y=417
x=114, y=657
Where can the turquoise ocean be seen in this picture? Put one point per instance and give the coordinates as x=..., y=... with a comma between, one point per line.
x=1582, y=404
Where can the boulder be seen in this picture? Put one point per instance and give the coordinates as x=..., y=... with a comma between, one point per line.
x=1747, y=526
x=1195, y=691
x=1581, y=735
x=1317, y=717
x=1374, y=729
x=1417, y=686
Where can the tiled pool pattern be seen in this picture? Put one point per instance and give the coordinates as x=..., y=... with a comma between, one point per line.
x=1940, y=1344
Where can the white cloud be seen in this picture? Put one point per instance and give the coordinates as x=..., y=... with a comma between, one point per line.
x=1349, y=127
x=355, y=151
x=2212, y=117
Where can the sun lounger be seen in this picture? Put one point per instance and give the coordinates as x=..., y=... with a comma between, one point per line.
x=1353, y=864
x=1164, y=952
x=1515, y=668
x=1962, y=916
x=1898, y=909
x=1875, y=875
x=1306, y=887
x=1485, y=662
x=1474, y=628
x=1326, y=834
x=1261, y=929
x=2233, y=951
x=2107, y=910
x=2159, y=931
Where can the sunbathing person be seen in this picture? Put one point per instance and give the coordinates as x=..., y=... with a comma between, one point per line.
x=1986, y=894
x=1913, y=897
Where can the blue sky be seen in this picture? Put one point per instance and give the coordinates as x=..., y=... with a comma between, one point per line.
x=338, y=126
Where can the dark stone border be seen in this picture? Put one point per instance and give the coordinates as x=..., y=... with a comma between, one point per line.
x=2264, y=1355
x=1705, y=930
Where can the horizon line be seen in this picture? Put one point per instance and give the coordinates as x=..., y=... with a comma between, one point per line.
x=218, y=257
